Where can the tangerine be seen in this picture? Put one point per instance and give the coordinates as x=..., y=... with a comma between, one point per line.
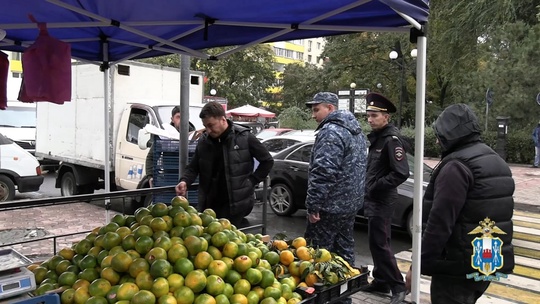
x=160, y=287
x=184, y=295
x=202, y=260
x=126, y=291
x=159, y=210
x=161, y=268
x=299, y=242
x=215, y=285
x=176, y=252
x=143, y=297
x=286, y=257
x=121, y=261
x=175, y=281
x=218, y=267
x=196, y=280
x=183, y=266
x=99, y=287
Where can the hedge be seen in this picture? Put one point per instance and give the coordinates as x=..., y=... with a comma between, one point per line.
x=519, y=146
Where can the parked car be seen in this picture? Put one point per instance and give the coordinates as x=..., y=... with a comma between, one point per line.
x=279, y=143
x=268, y=133
x=19, y=170
x=288, y=185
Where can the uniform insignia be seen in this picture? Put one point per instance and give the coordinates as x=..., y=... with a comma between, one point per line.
x=487, y=256
x=371, y=103
x=399, y=153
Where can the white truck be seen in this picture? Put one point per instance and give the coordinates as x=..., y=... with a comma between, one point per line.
x=73, y=133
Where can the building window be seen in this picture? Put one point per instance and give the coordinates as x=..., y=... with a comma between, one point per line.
x=309, y=58
x=318, y=45
x=17, y=75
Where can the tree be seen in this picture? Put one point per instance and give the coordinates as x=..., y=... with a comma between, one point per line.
x=241, y=77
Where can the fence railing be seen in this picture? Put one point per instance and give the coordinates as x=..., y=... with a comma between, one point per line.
x=65, y=220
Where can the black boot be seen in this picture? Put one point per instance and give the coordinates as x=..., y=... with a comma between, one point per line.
x=376, y=287
x=397, y=297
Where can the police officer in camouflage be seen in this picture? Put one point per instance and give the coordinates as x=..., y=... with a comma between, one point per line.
x=387, y=169
x=336, y=177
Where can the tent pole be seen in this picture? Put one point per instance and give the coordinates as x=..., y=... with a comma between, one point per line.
x=107, y=137
x=418, y=166
x=184, y=113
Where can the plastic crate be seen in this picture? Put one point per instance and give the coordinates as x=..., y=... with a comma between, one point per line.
x=165, y=173
x=52, y=298
x=334, y=293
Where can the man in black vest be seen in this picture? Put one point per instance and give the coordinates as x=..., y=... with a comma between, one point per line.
x=467, y=241
x=224, y=162
x=387, y=169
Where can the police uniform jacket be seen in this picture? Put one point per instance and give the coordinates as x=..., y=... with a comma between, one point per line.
x=471, y=184
x=337, y=166
x=238, y=147
x=387, y=169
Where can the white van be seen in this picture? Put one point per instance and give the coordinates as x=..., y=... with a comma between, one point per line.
x=19, y=170
x=18, y=123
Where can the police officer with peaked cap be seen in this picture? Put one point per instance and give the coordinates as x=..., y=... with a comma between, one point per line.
x=387, y=169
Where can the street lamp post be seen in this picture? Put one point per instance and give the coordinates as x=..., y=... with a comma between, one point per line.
x=352, y=97
x=397, y=57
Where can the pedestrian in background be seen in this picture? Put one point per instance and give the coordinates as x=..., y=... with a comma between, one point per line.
x=224, y=161
x=467, y=241
x=336, y=177
x=536, y=139
x=149, y=164
x=387, y=169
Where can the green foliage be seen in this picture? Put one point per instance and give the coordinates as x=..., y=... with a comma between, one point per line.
x=519, y=145
x=296, y=118
x=431, y=148
x=241, y=77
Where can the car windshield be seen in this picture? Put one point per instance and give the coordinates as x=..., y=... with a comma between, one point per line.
x=18, y=117
x=266, y=133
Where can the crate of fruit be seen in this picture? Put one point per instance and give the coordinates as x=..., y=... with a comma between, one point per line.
x=324, y=294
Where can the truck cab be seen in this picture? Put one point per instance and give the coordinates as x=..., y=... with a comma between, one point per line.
x=129, y=157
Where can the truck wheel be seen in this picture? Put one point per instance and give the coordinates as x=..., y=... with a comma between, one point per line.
x=7, y=189
x=68, y=186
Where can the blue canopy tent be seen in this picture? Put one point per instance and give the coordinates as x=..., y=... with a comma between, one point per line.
x=107, y=32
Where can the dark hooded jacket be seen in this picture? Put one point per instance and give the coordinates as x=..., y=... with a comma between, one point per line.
x=337, y=166
x=225, y=169
x=472, y=183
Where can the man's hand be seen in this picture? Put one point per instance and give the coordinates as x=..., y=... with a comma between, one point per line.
x=408, y=280
x=313, y=218
x=181, y=189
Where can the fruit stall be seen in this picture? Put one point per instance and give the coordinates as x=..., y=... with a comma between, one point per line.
x=174, y=254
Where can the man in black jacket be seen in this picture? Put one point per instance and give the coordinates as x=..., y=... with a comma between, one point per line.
x=467, y=241
x=387, y=169
x=224, y=162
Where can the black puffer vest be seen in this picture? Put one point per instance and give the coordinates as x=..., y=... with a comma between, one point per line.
x=489, y=172
x=238, y=168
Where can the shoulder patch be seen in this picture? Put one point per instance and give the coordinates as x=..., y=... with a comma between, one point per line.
x=399, y=153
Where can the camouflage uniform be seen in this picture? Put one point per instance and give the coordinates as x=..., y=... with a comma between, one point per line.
x=336, y=182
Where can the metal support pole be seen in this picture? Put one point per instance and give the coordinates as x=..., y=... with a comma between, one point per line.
x=351, y=100
x=402, y=68
x=107, y=108
x=184, y=114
